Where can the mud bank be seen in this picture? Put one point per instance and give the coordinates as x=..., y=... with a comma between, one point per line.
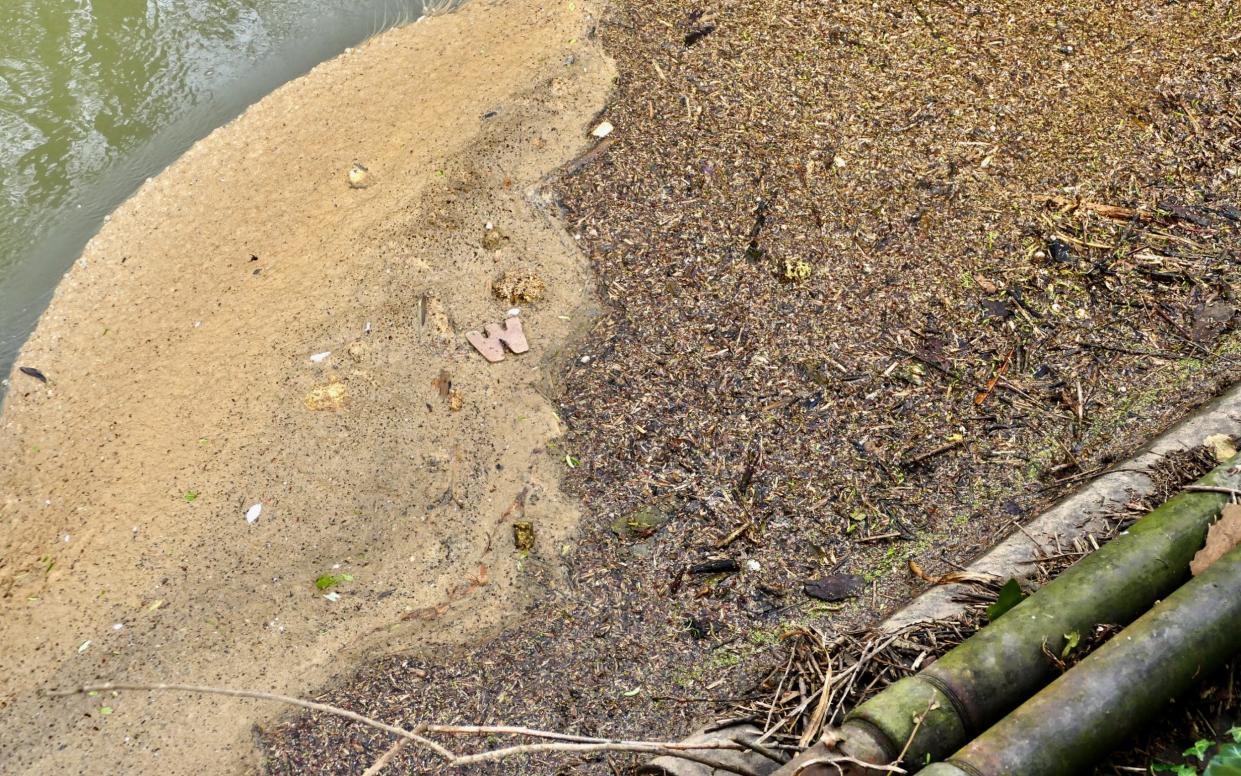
x=181, y=393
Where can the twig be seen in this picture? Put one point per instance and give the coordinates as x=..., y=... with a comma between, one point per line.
x=917, y=459
x=914, y=733
x=834, y=759
x=1107, y=211
x=770, y=754
x=265, y=696
x=567, y=743
x=386, y=758
x=663, y=750
x=474, y=730
x=1213, y=489
x=1135, y=351
x=878, y=537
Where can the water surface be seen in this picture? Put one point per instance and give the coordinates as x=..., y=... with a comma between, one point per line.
x=98, y=95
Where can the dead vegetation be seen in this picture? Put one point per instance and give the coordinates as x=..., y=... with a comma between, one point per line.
x=881, y=281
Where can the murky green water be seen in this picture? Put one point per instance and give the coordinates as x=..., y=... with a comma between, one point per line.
x=98, y=95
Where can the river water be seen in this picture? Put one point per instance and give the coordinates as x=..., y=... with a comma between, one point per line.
x=98, y=95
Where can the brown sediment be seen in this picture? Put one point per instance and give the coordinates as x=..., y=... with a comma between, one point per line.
x=189, y=489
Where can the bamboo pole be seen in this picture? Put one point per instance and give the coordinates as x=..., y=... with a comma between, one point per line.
x=926, y=717
x=1082, y=716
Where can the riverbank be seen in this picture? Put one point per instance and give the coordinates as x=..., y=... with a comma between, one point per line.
x=198, y=493
x=844, y=331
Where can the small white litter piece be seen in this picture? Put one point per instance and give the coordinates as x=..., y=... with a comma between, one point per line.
x=603, y=130
x=319, y=358
x=332, y=596
x=252, y=514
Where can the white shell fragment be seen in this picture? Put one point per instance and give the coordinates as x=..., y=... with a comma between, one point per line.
x=359, y=177
x=252, y=514
x=319, y=358
x=603, y=130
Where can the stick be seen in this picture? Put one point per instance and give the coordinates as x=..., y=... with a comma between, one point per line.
x=1107, y=211
x=914, y=733
x=917, y=459
x=387, y=757
x=570, y=743
x=839, y=758
x=265, y=696
x=1213, y=489
x=663, y=750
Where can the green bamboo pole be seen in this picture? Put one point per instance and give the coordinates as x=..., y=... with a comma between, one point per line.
x=1082, y=716
x=932, y=714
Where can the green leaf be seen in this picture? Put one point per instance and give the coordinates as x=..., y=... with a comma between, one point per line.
x=1010, y=595
x=571, y=462
x=1227, y=762
x=1179, y=770
x=1235, y=732
x=328, y=580
x=190, y=496
x=1199, y=749
x=1071, y=640
x=105, y=710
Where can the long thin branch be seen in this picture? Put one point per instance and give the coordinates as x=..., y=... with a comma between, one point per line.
x=653, y=747
x=663, y=750
x=386, y=758
x=265, y=696
x=567, y=742
x=834, y=761
x=472, y=730
x=1212, y=489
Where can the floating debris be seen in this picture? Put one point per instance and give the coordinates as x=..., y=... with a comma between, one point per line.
x=640, y=524
x=359, y=177
x=331, y=396
x=523, y=535
x=517, y=286
x=1221, y=537
x=716, y=566
x=834, y=587
x=491, y=344
x=32, y=372
x=493, y=237
x=1222, y=445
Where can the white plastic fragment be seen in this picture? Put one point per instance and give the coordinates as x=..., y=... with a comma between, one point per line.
x=252, y=514
x=603, y=130
x=332, y=596
x=319, y=358
x=753, y=565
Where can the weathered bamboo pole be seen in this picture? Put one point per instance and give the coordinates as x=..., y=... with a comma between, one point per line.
x=1082, y=716
x=928, y=716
